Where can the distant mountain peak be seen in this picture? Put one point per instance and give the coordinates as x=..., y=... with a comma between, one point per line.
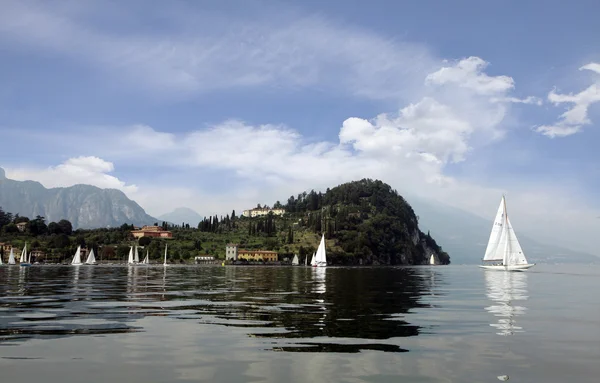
x=85, y=206
x=182, y=214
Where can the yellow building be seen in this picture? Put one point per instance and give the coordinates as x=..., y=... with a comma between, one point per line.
x=232, y=252
x=152, y=231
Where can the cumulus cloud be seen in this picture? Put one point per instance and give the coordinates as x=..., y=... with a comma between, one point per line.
x=79, y=170
x=468, y=73
x=576, y=116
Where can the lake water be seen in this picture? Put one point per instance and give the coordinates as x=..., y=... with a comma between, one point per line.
x=295, y=324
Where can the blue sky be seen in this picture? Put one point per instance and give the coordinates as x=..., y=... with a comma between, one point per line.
x=221, y=105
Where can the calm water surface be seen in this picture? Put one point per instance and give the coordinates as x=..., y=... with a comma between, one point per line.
x=296, y=324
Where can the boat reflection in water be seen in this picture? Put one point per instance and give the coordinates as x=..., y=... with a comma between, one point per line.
x=506, y=290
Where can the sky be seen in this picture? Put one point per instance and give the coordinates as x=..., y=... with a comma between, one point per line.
x=222, y=105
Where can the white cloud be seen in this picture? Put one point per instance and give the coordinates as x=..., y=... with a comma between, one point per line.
x=468, y=73
x=573, y=120
x=79, y=170
x=527, y=100
x=189, y=51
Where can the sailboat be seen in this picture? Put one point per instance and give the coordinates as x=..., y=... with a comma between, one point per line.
x=146, y=260
x=136, y=258
x=24, y=261
x=313, y=260
x=165, y=263
x=321, y=257
x=295, y=260
x=1, y=263
x=91, y=259
x=11, y=257
x=503, y=251
x=77, y=257
x=432, y=260
x=130, y=257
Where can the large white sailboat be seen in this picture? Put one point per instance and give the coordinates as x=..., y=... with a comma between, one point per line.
x=11, y=257
x=24, y=261
x=321, y=256
x=91, y=259
x=77, y=257
x=130, y=256
x=503, y=251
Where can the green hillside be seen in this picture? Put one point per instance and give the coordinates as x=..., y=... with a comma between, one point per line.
x=364, y=222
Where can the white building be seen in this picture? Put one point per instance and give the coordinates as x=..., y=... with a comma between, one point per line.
x=257, y=212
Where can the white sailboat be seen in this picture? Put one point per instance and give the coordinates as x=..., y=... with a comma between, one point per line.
x=313, y=260
x=136, y=257
x=146, y=260
x=11, y=257
x=130, y=257
x=77, y=257
x=165, y=263
x=1, y=263
x=91, y=259
x=504, y=251
x=24, y=261
x=432, y=260
x=321, y=257
x=295, y=260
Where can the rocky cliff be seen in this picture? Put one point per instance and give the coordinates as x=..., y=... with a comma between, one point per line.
x=84, y=206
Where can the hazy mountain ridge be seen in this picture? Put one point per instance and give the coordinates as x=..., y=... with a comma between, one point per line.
x=465, y=236
x=182, y=214
x=85, y=206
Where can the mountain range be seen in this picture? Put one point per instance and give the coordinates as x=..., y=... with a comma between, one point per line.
x=84, y=206
x=182, y=214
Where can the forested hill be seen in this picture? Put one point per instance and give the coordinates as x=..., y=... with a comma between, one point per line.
x=368, y=222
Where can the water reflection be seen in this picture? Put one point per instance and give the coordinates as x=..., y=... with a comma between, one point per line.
x=296, y=309
x=506, y=289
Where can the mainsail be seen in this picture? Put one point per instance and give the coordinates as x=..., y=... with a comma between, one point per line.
x=503, y=244
x=11, y=257
x=165, y=263
x=91, y=259
x=130, y=257
x=321, y=257
x=77, y=258
x=146, y=260
x=136, y=259
x=295, y=260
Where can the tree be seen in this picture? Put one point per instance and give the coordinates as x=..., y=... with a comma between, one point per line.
x=144, y=241
x=65, y=227
x=37, y=226
x=53, y=228
x=10, y=228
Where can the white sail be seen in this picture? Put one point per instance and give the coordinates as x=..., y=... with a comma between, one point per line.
x=503, y=246
x=146, y=260
x=313, y=260
x=91, y=259
x=23, y=258
x=321, y=257
x=514, y=252
x=165, y=263
x=496, y=244
x=136, y=258
x=295, y=260
x=77, y=258
x=11, y=257
x=130, y=257
x=1, y=260
x=432, y=260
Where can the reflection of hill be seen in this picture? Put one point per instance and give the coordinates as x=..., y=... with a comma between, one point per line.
x=505, y=289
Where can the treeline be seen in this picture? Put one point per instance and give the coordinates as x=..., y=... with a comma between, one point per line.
x=215, y=225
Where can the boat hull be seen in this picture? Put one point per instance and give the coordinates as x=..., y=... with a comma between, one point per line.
x=508, y=268
x=24, y=264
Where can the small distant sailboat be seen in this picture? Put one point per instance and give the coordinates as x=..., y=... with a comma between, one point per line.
x=130, y=257
x=136, y=258
x=77, y=257
x=432, y=260
x=313, y=260
x=91, y=259
x=146, y=261
x=24, y=261
x=321, y=257
x=504, y=251
x=165, y=263
x=295, y=260
x=11, y=257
